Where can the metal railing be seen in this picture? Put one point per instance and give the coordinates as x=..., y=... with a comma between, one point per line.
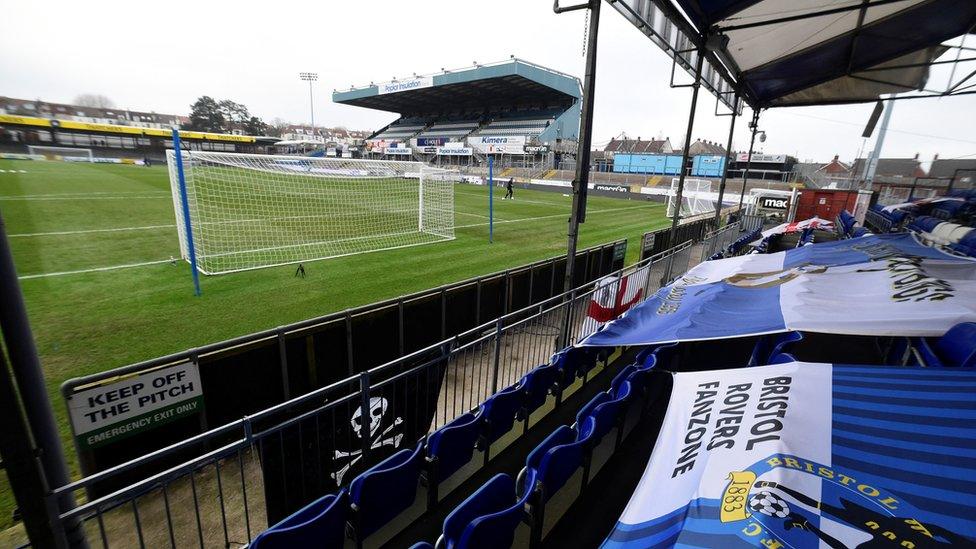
x=219, y=484
x=718, y=240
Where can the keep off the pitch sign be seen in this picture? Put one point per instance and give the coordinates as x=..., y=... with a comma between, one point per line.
x=107, y=413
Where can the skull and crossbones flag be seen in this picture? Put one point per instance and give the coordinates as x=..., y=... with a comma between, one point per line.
x=341, y=436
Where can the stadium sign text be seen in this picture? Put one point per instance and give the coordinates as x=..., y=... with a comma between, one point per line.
x=406, y=85
x=107, y=413
x=403, y=151
x=774, y=203
x=512, y=144
x=614, y=188
x=454, y=151
x=759, y=157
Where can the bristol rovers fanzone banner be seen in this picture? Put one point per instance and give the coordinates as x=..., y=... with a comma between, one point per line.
x=804, y=455
x=876, y=285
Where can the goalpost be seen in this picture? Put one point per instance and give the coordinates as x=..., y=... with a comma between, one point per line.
x=71, y=154
x=695, y=198
x=249, y=211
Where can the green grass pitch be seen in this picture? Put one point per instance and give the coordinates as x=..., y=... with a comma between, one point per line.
x=65, y=220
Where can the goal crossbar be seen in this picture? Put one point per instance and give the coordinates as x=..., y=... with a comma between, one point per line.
x=250, y=211
x=61, y=153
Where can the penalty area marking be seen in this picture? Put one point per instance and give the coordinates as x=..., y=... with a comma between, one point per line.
x=148, y=263
x=95, y=269
x=87, y=231
x=13, y=171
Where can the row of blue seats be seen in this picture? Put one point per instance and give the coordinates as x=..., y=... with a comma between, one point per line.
x=956, y=237
x=491, y=516
x=884, y=221
x=738, y=245
x=386, y=490
x=956, y=348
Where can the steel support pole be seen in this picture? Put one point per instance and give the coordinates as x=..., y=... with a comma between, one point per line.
x=725, y=171
x=684, y=155
x=22, y=352
x=582, y=179
x=752, y=143
x=24, y=470
x=311, y=107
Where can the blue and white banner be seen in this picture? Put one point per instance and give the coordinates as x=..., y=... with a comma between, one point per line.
x=803, y=455
x=881, y=285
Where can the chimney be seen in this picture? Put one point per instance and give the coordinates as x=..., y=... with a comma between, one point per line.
x=935, y=157
x=916, y=156
x=836, y=157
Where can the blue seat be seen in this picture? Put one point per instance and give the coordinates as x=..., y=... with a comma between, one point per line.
x=537, y=385
x=320, y=523
x=574, y=362
x=604, y=416
x=957, y=348
x=421, y=545
x=781, y=358
x=639, y=380
x=621, y=376
x=553, y=462
x=665, y=354
x=496, y=529
x=494, y=501
x=498, y=414
x=385, y=490
x=451, y=447
x=588, y=408
x=771, y=345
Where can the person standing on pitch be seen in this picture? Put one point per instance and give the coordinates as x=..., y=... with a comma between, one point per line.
x=510, y=188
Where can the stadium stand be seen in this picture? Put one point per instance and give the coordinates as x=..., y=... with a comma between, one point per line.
x=515, y=110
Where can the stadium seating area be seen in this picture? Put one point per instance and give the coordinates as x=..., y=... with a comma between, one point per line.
x=506, y=512
x=402, y=129
x=454, y=130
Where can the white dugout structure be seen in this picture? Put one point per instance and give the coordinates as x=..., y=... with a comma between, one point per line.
x=252, y=211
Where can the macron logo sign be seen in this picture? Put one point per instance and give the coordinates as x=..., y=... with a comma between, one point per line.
x=406, y=85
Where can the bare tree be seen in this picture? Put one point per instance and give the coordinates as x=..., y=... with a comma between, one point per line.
x=96, y=100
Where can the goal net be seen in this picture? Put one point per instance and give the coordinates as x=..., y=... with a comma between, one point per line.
x=696, y=198
x=71, y=154
x=249, y=211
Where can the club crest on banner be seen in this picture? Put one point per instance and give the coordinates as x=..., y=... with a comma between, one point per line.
x=759, y=506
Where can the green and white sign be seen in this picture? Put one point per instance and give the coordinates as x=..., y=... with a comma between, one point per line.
x=109, y=412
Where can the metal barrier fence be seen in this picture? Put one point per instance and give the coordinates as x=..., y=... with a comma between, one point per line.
x=718, y=240
x=275, y=365
x=224, y=486
x=749, y=223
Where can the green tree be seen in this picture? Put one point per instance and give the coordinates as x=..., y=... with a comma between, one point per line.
x=206, y=115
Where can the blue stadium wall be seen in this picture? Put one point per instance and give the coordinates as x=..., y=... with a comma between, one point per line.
x=703, y=165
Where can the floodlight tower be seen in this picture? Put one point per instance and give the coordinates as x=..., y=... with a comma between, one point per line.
x=310, y=77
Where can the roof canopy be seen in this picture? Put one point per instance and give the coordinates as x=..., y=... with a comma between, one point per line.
x=808, y=52
x=501, y=86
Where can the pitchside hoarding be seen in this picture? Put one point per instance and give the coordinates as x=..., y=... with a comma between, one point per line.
x=454, y=151
x=107, y=413
x=402, y=151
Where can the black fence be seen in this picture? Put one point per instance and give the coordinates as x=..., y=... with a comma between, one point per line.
x=244, y=375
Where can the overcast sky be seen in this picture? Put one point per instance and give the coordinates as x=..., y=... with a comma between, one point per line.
x=162, y=56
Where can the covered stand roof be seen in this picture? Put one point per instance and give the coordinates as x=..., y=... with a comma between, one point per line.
x=810, y=52
x=501, y=86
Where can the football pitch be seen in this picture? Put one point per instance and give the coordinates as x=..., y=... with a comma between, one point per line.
x=95, y=247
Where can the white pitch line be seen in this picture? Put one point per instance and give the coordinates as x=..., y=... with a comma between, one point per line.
x=93, y=270
x=54, y=197
x=566, y=215
x=147, y=263
x=87, y=231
